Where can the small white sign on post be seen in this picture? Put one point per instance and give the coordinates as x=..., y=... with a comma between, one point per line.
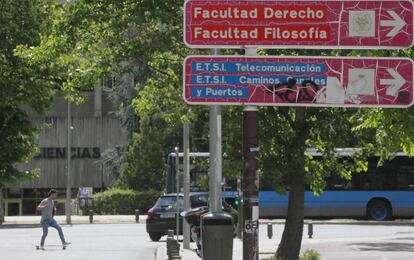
x=250, y=226
x=85, y=192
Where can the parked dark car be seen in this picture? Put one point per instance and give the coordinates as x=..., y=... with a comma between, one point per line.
x=162, y=216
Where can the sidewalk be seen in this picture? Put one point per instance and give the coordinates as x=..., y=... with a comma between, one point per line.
x=332, y=241
x=97, y=219
x=190, y=254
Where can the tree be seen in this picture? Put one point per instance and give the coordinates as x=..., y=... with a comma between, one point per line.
x=21, y=21
x=285, y=135
x=144, y=167
x=16, y=143
x=90, y=39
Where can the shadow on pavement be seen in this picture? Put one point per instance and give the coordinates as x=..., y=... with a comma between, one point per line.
x=387, y=246
x=11, y=226
x=404, y=238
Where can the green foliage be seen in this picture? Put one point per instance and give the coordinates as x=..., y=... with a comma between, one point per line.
x=142, y=39
x=16, y=143
x=21, y=21
x=310, y=254
x=123, y=201
x=144, y=167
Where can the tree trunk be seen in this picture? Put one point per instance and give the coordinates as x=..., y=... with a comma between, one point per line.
x=1, y=206
x=289, y=247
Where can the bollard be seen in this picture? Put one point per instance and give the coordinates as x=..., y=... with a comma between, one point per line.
x=173, y=247
x=170, y=233
x=90, y=216
x=137, y=215
x=269, y=230
x=310, y=229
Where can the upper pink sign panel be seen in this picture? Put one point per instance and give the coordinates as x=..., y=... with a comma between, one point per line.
x=305, y=24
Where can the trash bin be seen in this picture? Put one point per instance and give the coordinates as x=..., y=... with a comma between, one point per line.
x=217, y=236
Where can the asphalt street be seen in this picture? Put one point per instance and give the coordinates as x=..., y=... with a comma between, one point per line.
x=130, y=241
x=89, y=241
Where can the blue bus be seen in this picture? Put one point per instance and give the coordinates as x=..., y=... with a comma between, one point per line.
x=381, y=193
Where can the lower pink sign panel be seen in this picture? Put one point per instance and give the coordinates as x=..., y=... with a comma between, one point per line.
x=299, y=81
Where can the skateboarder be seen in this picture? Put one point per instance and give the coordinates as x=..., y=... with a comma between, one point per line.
x=47, y=220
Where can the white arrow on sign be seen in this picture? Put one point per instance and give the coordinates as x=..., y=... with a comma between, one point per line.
x=397, y=23
x=393, y=84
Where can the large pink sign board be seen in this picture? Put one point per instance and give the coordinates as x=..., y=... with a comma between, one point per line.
x=330, y=24
x=298, y=81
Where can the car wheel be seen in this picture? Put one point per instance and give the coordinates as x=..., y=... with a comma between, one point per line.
x=379, y=210
x=193, y=233
x=155, y=237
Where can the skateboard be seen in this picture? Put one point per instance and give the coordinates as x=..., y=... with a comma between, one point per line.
x=52, y=246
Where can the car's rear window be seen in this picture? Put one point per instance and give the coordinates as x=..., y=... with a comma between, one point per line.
x=166, y=201
x=199, y=200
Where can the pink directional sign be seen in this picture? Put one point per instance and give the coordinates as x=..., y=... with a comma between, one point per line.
x=309, y=24
x=298, y=81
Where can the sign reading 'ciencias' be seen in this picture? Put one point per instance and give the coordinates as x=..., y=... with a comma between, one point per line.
x=76, y=152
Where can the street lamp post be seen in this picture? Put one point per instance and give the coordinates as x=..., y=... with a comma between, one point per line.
x=68, y=180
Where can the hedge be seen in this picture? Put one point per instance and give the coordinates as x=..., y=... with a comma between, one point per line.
x=123, y=202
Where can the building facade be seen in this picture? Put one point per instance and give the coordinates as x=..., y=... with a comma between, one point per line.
x=94, y=131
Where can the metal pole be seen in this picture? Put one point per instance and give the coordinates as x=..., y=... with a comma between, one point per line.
x=186, y=183
x=68, y=180
x=269, y=230
x=239, y=211
x=1, y=205
x=310, y=229
x=250, y=179
x=177, y=187
x=215, y=155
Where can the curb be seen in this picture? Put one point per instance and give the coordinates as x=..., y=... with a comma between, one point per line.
x=31, y=221
x=37, y=225
x=160, y=253
x=345, y=222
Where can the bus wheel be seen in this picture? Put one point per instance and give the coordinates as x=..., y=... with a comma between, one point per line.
x=379, y=210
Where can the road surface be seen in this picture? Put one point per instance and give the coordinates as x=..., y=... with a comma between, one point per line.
x=89, y=241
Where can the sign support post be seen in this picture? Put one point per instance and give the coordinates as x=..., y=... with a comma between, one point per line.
x=186, y=183
x=215, y=154
x=250, y=179
x=177, y=186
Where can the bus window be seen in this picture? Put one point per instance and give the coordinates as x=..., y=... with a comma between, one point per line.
x=405, y=180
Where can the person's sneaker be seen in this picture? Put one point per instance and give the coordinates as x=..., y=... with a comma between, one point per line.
x=41, y=247
x=66, y=243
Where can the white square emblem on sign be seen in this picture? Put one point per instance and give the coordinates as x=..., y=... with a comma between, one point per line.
x=361, y=23
x=361, y=82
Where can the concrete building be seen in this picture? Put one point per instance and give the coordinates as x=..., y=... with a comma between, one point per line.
x=94, y=131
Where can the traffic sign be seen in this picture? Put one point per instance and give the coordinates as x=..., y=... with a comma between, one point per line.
x=299, y=81
x=332, y=24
